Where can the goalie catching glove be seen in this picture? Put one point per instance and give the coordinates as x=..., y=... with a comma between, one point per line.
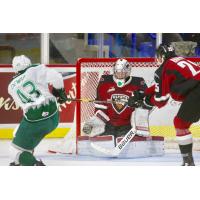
x=96, y=124
x=139, y=99
x=60, y=95
x=136, y=100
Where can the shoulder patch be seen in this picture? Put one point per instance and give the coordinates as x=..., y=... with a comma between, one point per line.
x=107, y=78
x=138, y=81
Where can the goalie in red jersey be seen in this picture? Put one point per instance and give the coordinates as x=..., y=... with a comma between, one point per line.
x=179, y=78
x=115, y=118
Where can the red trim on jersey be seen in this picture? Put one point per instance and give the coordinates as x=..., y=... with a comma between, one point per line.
x=159, y=104
x=182, y=132
x=150, y=90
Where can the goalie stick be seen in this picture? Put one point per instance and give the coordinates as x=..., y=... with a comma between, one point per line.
x=120, y=146
x=141, y=126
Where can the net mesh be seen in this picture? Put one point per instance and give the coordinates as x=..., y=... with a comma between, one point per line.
x=90, y=76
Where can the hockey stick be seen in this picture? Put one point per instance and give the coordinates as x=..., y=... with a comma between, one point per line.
x=90, y=100
x=120, y=146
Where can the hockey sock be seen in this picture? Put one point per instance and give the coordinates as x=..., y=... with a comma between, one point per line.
x=27, y=159
x=186, y=152
x=186, y=149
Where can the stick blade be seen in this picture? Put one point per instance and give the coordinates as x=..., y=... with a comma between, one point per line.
x=108, y=152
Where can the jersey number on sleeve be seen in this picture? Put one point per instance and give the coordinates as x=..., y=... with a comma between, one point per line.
x=184, y=64
x=25, y=96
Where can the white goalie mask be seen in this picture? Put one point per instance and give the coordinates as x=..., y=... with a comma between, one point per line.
x=20, y=63
x=121, y=70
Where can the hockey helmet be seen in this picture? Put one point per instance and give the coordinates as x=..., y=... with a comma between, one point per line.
x=165, y=52
x=20, y=63
x=121, y=71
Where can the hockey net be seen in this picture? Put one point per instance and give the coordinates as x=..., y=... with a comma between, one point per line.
x=88, y=73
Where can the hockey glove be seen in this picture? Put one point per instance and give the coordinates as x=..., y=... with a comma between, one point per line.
x=60, y=95
x=137, y=99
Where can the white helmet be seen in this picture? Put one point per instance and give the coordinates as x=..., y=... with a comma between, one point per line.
x=20, y=63
x=121, y=71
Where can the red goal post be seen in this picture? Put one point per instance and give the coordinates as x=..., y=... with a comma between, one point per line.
x=89, y=71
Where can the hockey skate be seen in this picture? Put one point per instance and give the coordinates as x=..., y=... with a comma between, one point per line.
x=188, y=160
x=14, y=164
x=38, y=163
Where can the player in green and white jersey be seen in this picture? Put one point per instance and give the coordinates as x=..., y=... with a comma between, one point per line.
x=30, y=90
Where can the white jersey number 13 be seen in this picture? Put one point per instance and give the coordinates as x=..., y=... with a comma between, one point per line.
x=28, y=97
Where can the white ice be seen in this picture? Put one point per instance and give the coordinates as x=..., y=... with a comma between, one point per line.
x=171, y=158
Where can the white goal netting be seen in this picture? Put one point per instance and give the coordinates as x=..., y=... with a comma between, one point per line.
x=89, y=71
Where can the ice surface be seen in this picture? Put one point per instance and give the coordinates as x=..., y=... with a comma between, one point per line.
x=171, y=158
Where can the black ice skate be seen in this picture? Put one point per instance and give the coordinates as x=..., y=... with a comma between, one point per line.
x=14, y=164
x=39, y=163
x=188, y=160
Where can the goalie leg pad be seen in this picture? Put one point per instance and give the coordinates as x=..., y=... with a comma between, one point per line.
x=140, y=121
x=143, y=147
x=85, y=148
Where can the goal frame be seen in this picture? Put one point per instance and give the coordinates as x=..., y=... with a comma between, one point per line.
x=78, y=80
x=104, y=60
